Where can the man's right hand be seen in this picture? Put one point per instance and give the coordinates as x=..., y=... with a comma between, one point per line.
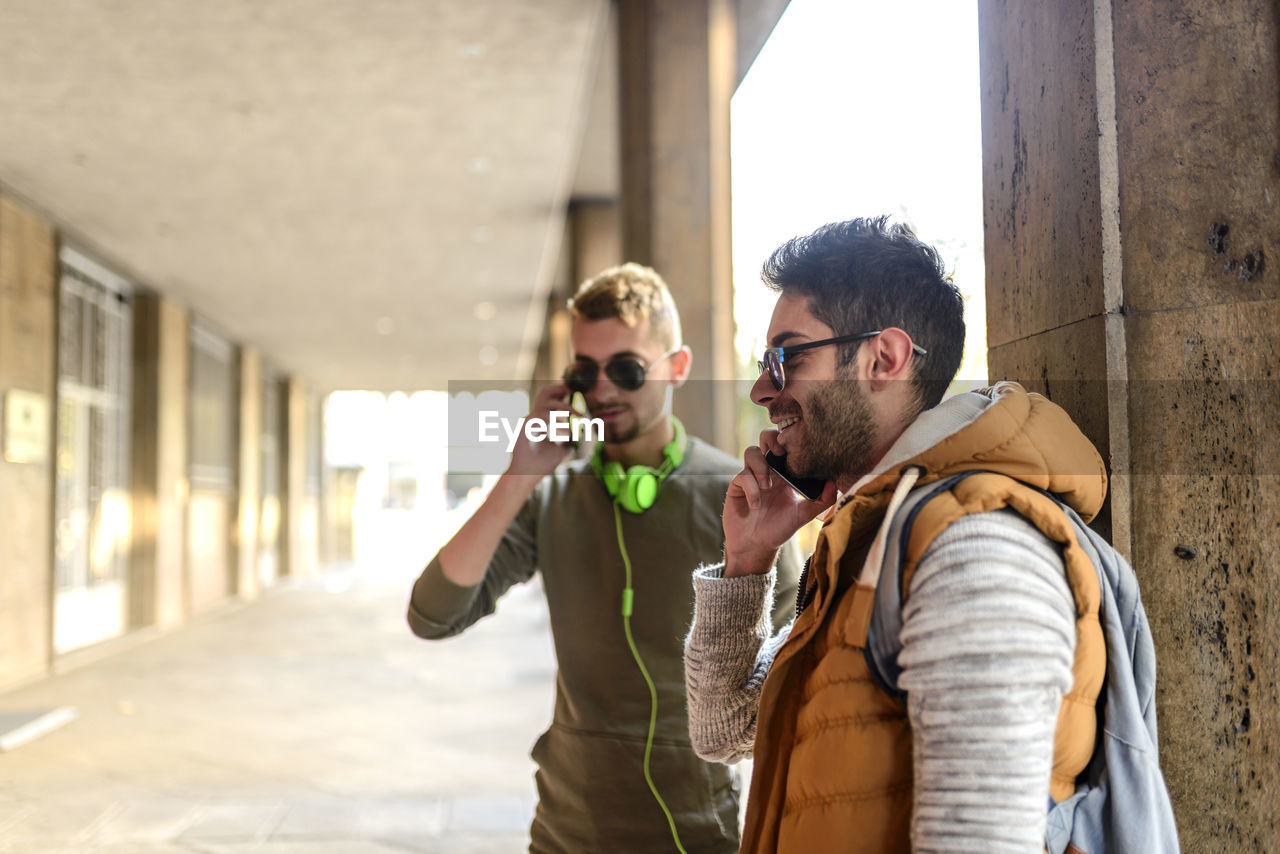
x=464, y=559
x=541, y=458
x=762, y=511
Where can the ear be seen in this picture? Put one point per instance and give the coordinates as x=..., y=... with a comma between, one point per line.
x=889, y=358
x=681, y=365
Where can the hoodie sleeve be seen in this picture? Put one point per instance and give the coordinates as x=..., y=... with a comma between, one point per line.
x=988, y=641
x=438, y=608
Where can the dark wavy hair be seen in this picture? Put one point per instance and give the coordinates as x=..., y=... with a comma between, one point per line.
x=865, y=274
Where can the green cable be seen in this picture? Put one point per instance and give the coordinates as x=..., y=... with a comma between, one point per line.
x=628, y=600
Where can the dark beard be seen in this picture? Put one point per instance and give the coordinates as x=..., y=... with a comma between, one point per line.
x=838, y=432
x=618, y=434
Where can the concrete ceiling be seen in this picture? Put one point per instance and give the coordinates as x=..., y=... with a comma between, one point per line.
x=370, y=192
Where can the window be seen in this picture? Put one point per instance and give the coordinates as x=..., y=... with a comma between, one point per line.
x=213, y=409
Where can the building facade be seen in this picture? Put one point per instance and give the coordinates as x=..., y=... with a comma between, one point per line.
x=154, y=469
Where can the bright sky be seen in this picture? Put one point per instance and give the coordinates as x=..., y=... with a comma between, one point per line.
x=859, y=108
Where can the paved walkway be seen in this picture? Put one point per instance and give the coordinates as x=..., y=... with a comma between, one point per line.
x=308, y=722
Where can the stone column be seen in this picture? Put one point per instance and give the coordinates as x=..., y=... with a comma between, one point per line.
x=28, y=334
x=298, y=531
x=678, y=70
x=595, y=239
x=554, y=347
x=158, y=583
x=1132, y=182
x=248, y=475
x=591, y=244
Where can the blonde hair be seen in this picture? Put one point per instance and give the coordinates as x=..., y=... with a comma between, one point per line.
x=632, y=293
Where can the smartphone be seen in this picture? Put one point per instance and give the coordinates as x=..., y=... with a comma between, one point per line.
x=810, y=487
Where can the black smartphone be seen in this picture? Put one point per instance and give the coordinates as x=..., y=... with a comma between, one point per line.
x=810, y=487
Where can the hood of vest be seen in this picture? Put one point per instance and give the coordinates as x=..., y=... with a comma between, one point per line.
x=1003, y=429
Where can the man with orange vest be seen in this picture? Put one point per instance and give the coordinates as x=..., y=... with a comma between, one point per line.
x=1002, y=657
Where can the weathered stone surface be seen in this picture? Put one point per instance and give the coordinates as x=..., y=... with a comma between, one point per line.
x=1039, y=166
x=1205, y=390
x=1196, y=186
x=1207, y=564
x=1200, y=183
x=1204, y=406
x=1067, y=365
x=1198, y=124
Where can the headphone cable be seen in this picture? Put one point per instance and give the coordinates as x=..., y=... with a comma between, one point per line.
x=628, y=604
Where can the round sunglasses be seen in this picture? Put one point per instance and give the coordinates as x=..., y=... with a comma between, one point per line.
x=626, y=372
x=775, y=356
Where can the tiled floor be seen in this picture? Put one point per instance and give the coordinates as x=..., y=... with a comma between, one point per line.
x=308, y=722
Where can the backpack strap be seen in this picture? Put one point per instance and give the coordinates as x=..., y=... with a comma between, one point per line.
x=1122, y=802
x=884, y=638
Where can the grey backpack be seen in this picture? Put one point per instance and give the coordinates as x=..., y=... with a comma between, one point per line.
x=1121, y=803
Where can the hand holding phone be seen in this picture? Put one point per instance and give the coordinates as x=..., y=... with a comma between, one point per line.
x=810, y=487
x=760, y=513
x=539, y=456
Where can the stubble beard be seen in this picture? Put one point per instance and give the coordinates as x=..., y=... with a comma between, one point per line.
x=616, y=434
x=628, y=427
x=838, y=429
x=633, y=421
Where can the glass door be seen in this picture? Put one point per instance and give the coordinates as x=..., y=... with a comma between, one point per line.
x=91, y=490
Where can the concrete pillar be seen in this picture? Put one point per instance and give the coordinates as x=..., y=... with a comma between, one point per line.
x=1132, y=184
x=28, y=333
x=595, y=244
x=298, y=543
x=248, y=487
x=595, y=238
x=553, y=346
x=678, y=70
x=158, y=583
x=316, y=510
x=559, y=342
x=592, y=243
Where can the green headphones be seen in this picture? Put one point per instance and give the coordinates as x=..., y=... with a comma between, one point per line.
x=636, y=488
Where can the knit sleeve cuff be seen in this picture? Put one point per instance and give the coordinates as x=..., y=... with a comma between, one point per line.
x=732, y=608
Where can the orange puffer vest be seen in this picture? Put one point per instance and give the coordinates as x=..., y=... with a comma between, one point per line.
x=833, y=752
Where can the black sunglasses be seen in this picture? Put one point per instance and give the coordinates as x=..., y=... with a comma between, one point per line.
x=626, y=372
x=775, y=356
